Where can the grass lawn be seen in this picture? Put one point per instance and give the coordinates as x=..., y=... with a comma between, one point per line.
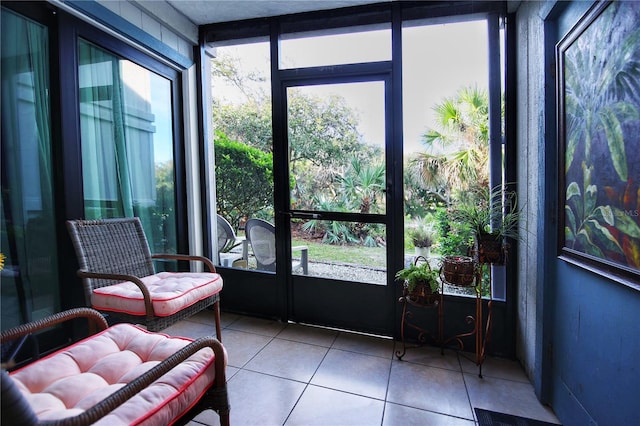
x=360, y=255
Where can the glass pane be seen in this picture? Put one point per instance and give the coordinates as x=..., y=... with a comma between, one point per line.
x=329, y=48
x=127, y=144
x=445, y=104
x=241, y=95
x=347, y=251
x=29, y=283
x=336, y=147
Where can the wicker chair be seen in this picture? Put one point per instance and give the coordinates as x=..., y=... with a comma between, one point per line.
x=117, y=271
x=118, y=375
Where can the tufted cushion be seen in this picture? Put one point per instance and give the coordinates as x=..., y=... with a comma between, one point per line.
x=72, y=380
x=170, y=293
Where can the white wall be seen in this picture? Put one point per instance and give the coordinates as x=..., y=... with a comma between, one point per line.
x=530, y=133
x=160, y=20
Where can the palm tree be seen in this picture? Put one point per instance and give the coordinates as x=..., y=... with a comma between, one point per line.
x=458, y=148
x=364, y=183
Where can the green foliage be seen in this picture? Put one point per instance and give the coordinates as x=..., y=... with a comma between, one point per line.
x=422, y=232
x=458, y=148
x=249, y=123
x=244, y=179
x=454, y=238
x=595, y=228
x=490, y=212
x=414, y=274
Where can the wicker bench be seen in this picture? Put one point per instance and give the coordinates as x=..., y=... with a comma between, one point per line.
x=121, y=374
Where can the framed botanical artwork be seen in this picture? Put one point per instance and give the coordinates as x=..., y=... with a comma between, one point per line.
x=598, y=95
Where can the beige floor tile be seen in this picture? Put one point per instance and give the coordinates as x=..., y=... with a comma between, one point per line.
x=494, y=367
x=352, y=372
x=506, y=396
x=429, y=388
x=364, y=344
x=242, y=347
x=287, y=359
x=327, y=407
x=257, y=325
x=399, y=415
x=307, y=334
x=191, y=329
x=260, y=399
x=431, y=356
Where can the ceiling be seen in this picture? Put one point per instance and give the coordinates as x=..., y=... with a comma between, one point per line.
x=202, y=12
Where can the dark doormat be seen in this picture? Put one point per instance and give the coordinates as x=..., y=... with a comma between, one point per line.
x=491, y=418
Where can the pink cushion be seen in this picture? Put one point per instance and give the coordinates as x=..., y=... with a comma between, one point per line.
x=170, y=293
x=72, y=380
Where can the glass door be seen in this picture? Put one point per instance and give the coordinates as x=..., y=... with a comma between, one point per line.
x=337, y=204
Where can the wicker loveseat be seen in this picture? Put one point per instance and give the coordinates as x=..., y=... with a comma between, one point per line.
x=121, y=374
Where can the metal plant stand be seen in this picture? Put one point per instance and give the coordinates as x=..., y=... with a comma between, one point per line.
x=407, y=315
x=480, y=330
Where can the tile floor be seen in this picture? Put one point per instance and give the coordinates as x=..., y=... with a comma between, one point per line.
x=289, y=374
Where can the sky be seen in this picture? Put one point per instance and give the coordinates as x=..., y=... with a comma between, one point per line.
x=437, y=61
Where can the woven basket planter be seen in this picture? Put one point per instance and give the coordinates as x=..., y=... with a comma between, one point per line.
x=458, y=270
x=490, y=249
x=423, y=295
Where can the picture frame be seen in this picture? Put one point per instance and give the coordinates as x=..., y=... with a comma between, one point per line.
x=598, y=107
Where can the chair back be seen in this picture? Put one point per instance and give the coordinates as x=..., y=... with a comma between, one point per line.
x=112, y=246
x=262, y=236
x=226, y=236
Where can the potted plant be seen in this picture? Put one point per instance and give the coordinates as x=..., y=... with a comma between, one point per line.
x=493, y=217
x=458, y=270
x=420, y=282
x=422, y=234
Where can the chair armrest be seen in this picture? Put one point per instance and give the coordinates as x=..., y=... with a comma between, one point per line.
x=202, y=259
x=132, y=388
x=148, y=306
x=94, y=317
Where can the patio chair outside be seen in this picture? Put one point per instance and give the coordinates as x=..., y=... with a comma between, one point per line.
x=262, y=237
x=226, y=241
x=119, y=278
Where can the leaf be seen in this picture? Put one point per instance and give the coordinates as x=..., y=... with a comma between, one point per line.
x=601, y=237
x=583, y=238
x=573, y=190
x=569, y=236
x=570, y=218
x=606, y=214
x=631, y=249
x=625, y=223
x=590, y=198
x=615, y=140
x=574, y=198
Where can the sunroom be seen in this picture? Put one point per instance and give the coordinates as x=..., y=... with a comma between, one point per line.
x=343, y=128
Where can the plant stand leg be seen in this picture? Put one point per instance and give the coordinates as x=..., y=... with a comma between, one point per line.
x=402, y=325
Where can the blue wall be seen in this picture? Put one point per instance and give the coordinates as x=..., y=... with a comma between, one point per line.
x=594, y=340
x=595, y=349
